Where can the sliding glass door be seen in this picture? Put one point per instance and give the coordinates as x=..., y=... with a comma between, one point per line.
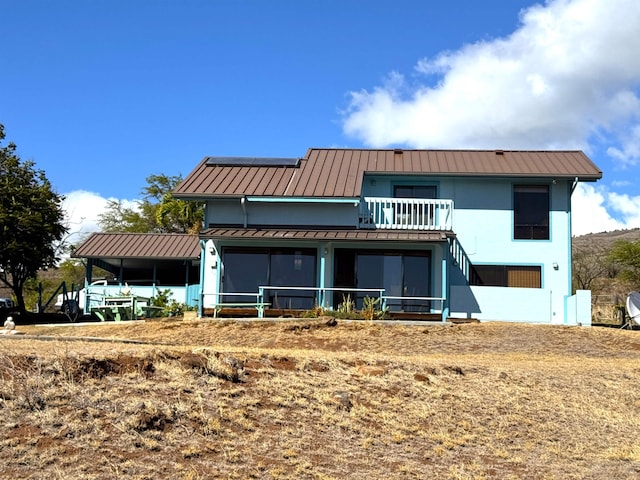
x=246, y=269
x=400, y=273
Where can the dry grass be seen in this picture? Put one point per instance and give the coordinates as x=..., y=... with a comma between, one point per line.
x=297, y=400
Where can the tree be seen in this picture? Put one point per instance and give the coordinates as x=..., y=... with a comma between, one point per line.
x=119, y=218
x=626, y=255
x=158, y=212
x=589, y=266
x=31, y=221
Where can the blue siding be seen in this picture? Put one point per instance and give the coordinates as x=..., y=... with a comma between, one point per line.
x=483, y=225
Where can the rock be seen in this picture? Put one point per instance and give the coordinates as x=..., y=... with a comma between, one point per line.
x=330, y=321
x=344, y=400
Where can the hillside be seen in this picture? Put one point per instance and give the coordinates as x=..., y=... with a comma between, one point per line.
x=319, y=400
x=606, y=239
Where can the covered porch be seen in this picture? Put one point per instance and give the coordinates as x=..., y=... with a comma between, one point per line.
x=269, y=272
x=138, y=266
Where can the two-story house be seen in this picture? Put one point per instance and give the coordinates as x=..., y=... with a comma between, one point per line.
x=458, y=234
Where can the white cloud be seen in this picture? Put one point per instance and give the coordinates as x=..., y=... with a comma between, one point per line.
x=591, y=206
x=565, y=74
x=629, y=153
x=589, y=213
x=628, y=206
x=83, y=210
x=567, y=77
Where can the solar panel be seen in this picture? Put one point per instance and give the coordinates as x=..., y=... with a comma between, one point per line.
x=252, y=162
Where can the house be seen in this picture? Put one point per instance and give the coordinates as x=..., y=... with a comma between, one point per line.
x=454, y=233
x=140, y=264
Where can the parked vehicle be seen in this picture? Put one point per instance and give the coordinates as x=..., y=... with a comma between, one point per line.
x=6, y=303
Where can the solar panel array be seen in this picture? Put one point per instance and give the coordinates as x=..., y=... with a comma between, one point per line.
x=253, y=162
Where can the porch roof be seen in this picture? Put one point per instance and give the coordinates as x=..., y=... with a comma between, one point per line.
x=333, y=235
x=168, y=246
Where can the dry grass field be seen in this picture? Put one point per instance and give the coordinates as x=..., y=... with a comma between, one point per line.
x=316, y=400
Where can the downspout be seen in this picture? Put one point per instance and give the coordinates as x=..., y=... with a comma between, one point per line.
x=245, y=216
x=570, y=247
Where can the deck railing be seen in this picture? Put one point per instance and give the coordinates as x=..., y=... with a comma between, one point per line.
x=406, y=213
x=460, y=258
x=317, y=296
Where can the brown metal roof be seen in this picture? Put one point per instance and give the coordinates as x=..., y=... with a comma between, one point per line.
x=322, y=235
x=170, y=246
x=332, y=172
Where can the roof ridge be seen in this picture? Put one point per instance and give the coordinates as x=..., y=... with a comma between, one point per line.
x=401, y=149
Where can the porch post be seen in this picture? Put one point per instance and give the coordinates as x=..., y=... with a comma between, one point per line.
x=321, y=283
x=153, y=284
x=260, y=302
x=445, y=283
x=87, y=281
x=203, y=261
x=187, y=300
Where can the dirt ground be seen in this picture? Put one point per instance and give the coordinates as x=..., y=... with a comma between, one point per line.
x=318, y=399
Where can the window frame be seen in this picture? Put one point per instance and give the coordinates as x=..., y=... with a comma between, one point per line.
x=503, y=276
x=415, y=190
x=524, y=227
x=297, y=256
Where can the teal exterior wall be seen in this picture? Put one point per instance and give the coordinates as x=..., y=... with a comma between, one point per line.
x=291, y=213
x=483, y=224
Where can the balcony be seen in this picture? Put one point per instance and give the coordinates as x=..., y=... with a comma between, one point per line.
x=406, y=213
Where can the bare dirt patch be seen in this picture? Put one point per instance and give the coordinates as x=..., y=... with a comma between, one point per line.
x=225, y=399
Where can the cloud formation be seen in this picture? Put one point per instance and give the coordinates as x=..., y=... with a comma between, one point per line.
x=589, y=211
x=567, y=78
x=83, y=210
x=566, y=74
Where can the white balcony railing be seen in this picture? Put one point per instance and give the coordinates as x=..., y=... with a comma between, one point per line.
x=406, y=213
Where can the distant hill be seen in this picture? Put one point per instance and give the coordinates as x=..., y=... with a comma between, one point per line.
x=608, y=292
x=605, y=239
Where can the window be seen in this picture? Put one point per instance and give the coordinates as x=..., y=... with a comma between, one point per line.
x=410, y=213
x=399, y=273
x=506, y=276
x=531, y=212
x=245, y=269
x=414, y=191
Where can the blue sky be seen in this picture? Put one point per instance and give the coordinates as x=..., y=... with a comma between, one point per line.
x=101, y=94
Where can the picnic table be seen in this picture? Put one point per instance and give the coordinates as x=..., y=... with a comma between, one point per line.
x=128, y=307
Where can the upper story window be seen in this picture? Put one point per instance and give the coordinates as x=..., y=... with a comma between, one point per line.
x=414, y=191
x=531, y=212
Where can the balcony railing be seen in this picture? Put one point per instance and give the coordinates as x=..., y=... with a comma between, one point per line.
x=406, y=213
